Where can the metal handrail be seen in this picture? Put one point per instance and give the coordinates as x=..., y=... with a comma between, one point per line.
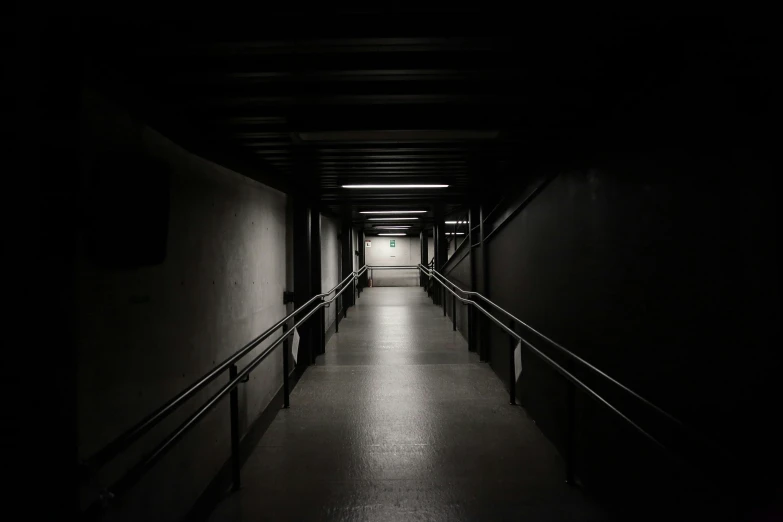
x=120, y=443
x=401, y=267
x=565, y=373
x=128, y=437
x=433, y=274
x=563, y=349
x=112, y=449
x=382, y=267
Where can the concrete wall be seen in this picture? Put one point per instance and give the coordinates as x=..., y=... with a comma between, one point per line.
x=145, y=333
x=407, y=251
x=330, y=262
x=663, y=274
x=453, y=244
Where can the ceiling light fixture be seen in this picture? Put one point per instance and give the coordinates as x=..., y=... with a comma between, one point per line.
x=455, y=222
x=455, y=234
x=392, y=219
x=401, y=135
x=392, y=234
x=393, y=186
x=392, y=212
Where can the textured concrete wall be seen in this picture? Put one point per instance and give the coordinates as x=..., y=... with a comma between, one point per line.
x=452, y=246
x=663, y=276
x=330, y=261
x=147, y=333
x=405, y=252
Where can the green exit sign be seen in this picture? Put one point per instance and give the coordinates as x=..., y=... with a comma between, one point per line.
x=391, y=243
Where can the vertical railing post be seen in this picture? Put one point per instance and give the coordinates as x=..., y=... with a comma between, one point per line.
x=286, y=355
x=471, y=329
x=453, y=313
x=482, y=336
x=443, y=298
x=235, y=457
x=337, y=313
x=571, y=427
x=512, y=374
x=323, y=327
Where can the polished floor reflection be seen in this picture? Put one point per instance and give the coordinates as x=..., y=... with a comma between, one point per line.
x=398, y=421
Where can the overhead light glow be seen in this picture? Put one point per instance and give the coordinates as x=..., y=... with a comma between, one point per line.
x=392, y=212
x=393, y=186
x=392, y=234
x=393, y=219
x=455, y=222
x=401, y=135
x=453, y=234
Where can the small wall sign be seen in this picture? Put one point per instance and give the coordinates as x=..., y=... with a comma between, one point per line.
x=367, y=244
x=391, y=243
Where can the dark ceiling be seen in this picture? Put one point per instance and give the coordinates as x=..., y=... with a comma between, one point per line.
x=314, y=102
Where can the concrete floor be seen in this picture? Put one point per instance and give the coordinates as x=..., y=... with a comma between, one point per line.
x=398, y=421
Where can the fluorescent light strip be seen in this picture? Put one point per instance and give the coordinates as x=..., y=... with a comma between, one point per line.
x=392, y=212
x=392, y=234
x=453, y=234
x=393, y=219
x=393, y=186
x=455, y=222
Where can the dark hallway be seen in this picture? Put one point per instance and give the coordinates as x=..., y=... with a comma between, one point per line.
x=398, y=421
x=390, y=263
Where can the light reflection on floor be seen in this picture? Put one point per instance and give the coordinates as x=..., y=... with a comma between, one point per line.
x=398, y=421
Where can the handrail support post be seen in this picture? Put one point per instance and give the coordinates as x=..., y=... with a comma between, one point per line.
x=322, y=336
x=570, y=430
x=286, y=398
x=443, y=298
x=235, y=456
x=512, y=374
x=453, y=313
